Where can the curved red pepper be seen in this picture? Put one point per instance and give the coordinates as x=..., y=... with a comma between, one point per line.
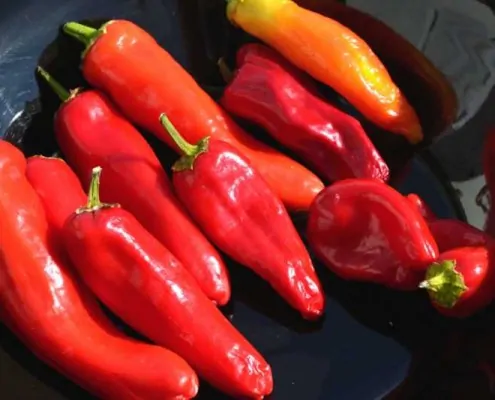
x=90, y=131
x=450, y=234
x=144, y=80
x=144, y=284
x=240, y=214
x=56, y=317
x=269, y=91
x=462, y=281
x=365, y=230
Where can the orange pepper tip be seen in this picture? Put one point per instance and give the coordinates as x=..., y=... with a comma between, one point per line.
x=415, y=134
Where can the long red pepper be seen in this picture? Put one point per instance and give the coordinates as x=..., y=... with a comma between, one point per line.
x=268, y=90
x=144, y=80
x=57, y=318
x=239, y=212
x=90, y=131
x=144, y=284
x=362, y=229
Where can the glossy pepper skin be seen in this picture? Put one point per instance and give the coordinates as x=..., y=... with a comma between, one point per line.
x=57, y=187
x=57, y=318
x=365, y=230
x=268, y=90
x=395, y=50
x=127, y=64
x=239, y=212
x=460, y=283
x=332, y=54
x=143, y=283
x=90, y=131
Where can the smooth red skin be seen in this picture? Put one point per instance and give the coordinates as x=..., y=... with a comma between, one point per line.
x=243, y=217
x=144, y=284
x=489, y=172
x=474, y=265
x=365, y=230
x=419, y=204
x=58, y=188
x=145, y=81
x=268, y=90
x=58, y=319
x=91, y=132
x=450, y=234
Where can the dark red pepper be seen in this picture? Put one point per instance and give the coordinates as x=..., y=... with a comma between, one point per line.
x=90, y=131
x=462, y=281
x=451, y=233
x=365, y=230
x=144, y=284
x=268, y=90
x=43, y=303
x=239, y=212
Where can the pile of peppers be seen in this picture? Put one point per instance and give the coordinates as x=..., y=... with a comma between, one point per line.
x=107, y=223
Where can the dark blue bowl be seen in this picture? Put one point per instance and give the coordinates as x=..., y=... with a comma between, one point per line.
x=371, y=339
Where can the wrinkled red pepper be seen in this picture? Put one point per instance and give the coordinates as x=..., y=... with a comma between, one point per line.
x=461, y=282
x=268, y=90
x=240, y=214
x=43, y=303
x=365, y=230
x=90, y=131
x=144, y=284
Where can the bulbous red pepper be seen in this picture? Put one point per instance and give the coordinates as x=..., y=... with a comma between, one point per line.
x=268, y=90
x=365, y=230
x=239, y=212
x=129, y=65
x=143, y=283
x=461, y=282
x=90, y=131
x=56, y=317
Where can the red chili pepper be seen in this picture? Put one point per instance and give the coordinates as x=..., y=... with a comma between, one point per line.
x=461, y=282
x=240, y=214
x=365, y=230
x=489, y=172
x=90, y=131
x=144, y=284
x=269, y=91
x=128, y=64
x=58, y=188
x=56, y=317
x=419, y=204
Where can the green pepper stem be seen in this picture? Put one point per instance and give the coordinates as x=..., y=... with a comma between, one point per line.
x=185, y=147
x=59, y=90
x=94, y=190
x=225, y=71
x=83, y=33
x=444, y=283
x=190, y=151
